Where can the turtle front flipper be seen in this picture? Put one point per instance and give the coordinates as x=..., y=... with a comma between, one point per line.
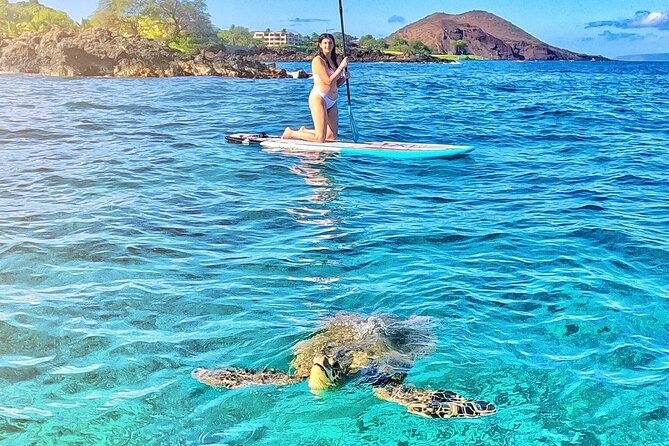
x=435, y=403
x=234, y=378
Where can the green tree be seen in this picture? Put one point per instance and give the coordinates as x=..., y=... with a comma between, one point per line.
x=236, y=35
x=370, y=42
x=4, y=9
x=400, y=44
x=16, y=18
x=45, y=19
x=416, y=47
x=258, y=43
x=186, y=17
x=310, y=43
x=182, y=24
x=152, y=28
x=338, y=40
x=460, y=47
x=121, y=16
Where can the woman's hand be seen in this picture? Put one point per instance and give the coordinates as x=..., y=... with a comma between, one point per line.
x=344, y=63
x=343, y=78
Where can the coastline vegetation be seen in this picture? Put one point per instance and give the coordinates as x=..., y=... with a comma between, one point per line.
x=458, y=57
x=184, y=25
x=27, y=16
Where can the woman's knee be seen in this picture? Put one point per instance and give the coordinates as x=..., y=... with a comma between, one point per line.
x=320, y=134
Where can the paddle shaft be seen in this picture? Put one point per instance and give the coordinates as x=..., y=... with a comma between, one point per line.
x=343, y=38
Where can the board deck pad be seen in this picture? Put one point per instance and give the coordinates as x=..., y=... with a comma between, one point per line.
x=386, y=149
x=249, y=138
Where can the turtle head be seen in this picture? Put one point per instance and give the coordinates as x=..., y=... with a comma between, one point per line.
x=325, y=372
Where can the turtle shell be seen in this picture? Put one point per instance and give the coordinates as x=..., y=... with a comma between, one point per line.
x=385, y=343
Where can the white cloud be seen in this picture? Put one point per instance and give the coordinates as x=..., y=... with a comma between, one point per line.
x=642, y=19
x=651, y=20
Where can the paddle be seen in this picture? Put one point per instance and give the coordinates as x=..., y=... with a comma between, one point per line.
x=354, y=129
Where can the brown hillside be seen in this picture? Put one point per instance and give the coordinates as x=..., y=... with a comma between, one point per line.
x=495, y=25
x=485, y=34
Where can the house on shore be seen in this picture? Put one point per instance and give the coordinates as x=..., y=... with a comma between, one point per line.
x=278, y=38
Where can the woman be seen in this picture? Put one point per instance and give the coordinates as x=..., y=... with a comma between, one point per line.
x=323, y=97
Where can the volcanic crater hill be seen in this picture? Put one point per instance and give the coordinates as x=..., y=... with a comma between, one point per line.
x=486, y=35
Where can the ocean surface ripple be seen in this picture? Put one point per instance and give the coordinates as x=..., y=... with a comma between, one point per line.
x=136, y=245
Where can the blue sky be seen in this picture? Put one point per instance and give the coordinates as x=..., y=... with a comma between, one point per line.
x=607, y=27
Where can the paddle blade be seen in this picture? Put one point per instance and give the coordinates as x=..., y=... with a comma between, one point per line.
x=354, y=127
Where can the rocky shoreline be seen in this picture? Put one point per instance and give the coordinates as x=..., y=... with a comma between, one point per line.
x=100, y=52
x=354, y=55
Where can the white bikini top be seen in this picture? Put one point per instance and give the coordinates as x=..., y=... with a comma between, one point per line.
x=328, y=70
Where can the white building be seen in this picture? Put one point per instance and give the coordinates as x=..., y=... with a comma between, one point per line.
x=278, y=38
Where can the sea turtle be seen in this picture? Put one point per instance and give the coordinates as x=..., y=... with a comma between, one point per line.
x=377, y=350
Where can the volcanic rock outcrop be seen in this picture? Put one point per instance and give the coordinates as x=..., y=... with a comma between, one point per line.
x=100, y=52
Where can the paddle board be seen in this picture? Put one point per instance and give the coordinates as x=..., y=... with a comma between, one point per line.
x=385, y=149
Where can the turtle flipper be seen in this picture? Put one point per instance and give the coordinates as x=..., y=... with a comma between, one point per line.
x=234, y=378
x=435, y=403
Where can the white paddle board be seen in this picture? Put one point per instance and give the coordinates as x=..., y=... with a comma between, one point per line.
x=385, y=149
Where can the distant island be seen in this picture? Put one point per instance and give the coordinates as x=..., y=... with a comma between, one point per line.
x=659, y=57
x=158, y=38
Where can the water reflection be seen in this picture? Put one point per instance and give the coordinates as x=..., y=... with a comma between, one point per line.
x=316, y=207
x=319, y=209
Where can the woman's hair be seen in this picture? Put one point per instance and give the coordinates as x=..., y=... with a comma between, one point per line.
x=330, y=59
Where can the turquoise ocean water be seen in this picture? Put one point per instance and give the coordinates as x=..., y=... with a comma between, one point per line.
x=136, y=245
